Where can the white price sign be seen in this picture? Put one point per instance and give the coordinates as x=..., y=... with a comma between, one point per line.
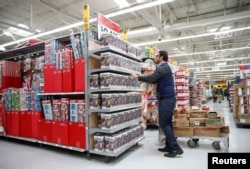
x=106, y=26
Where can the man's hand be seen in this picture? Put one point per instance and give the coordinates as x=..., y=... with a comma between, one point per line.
x=135, y=76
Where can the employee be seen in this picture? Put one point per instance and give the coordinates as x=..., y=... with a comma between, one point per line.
x=166, y=101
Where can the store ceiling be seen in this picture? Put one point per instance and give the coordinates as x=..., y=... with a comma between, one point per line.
x=200, y=34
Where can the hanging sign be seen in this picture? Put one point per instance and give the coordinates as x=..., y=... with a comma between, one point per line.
x=106, y=26
x=86, y=24
x=125, y=35
x=151, y=51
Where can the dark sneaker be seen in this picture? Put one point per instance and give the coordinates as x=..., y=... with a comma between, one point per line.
x=164, y=149
x=174, y=153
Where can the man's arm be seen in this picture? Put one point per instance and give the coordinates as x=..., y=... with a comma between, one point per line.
x=160, y=72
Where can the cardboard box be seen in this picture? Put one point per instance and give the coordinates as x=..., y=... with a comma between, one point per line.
x=212, y=115
x=182, y=117
x=219, y=122
x=245, y=118
x=181, y=123
x=183, y=131
x=198, y=114
x=207, y=131
x=197, y=122
x=225, y=130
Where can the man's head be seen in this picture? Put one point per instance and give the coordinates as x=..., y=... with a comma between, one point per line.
x=161, y=56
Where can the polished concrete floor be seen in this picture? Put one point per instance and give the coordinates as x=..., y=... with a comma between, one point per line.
x=23, y=155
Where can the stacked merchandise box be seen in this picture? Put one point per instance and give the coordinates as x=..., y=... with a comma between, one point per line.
x=182, y=92
x=10, y=74
x=149, y=99
x=242, y=102
x=113, y=130
x=197, y=122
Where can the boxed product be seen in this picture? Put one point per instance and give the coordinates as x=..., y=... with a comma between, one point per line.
x=183, y=131
x=110, y=143
x=56, y=109
x=245, y=118
x=99, y=143
x=197, y=122
x=107, y=80
x=181, y=123
x=207, y=131
x=94, y=101
x=81, y=111
x=225, y=130
x=108, y=60
x=94, y=81
x=108, y=121
x=47, y=109
x=219, y=122
x=198, y=114
x=64, y=109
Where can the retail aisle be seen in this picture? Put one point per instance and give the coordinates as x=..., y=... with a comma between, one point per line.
x=25, y=156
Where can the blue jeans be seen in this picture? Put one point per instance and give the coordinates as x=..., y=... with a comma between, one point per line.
x=165, y=111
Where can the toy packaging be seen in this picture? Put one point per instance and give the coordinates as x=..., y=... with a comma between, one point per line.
x=94, y=101
x=47, y=109
x=64, y=109
x=99, y=142
x=94, y=81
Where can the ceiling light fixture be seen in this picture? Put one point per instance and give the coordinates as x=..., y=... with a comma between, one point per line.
x=117, y=13
x=209, y=61
x=197, y=53
x=122, y=3
x=190, y=37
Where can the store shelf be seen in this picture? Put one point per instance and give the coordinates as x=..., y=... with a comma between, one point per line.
x=114, y=70
x=65, y=93
x=117, y=128
x=120, y=150
x=62, y=146
x=114, y=90
x=115, y=109
x=114, y=50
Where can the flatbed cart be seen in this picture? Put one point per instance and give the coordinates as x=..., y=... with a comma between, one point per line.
x=193, y=140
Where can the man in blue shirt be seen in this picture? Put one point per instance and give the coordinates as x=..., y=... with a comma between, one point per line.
x=166, y=101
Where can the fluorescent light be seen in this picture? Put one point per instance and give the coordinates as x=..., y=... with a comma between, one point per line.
x=197, y=53
x=120, y=12
x=190, y=37
x=122, y=3
x=39, y=31
x=149, y=29
x=23, y=26
x=138, y=7
x=221, y=63
x=140, y=1
x=225, y=28
x=221, y=70
x=19, y=32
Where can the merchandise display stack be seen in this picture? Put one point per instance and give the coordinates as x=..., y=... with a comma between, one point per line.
x=149, y=100
x=193, y=91
x=182, y=88
x=231, y=99
x=115, y=99
x=200, y=123
x=242, y=98
x=199, y=93
x=50, y=106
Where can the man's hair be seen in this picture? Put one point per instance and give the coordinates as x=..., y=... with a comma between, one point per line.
x=164, y=54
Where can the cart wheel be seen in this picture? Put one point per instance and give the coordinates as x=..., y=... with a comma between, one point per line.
x=216, y=145
x=88, y=155
x=196, y=140
x=107, y=159
x=191, y=143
